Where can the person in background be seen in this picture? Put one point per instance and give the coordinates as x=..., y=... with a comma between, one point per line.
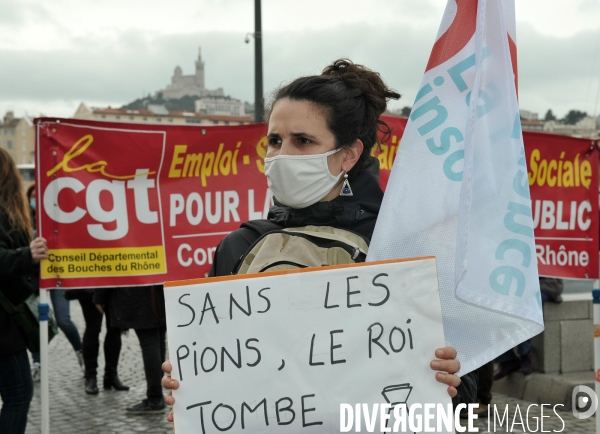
x=60, y=305
x=140, y=308
x=20, y=256
x=521, y=356
x=32, y=205
x=91, y=344
x=485, y=380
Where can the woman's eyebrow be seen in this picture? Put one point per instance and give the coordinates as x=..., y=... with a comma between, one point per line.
x=309, y=136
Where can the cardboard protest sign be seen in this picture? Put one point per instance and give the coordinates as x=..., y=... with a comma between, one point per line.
x=281, y=352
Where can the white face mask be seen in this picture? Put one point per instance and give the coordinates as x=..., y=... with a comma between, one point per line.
x=299, y=181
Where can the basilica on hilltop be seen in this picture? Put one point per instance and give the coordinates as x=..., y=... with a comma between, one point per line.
x=192, y=85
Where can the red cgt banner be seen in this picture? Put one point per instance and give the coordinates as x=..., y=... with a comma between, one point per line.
x=563, y=178
x=131, y=204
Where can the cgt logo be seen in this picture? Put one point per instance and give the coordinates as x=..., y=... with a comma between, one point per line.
x=584, y=402
x=109, y=224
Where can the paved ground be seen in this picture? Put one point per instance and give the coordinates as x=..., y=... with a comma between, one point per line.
x=72, y=411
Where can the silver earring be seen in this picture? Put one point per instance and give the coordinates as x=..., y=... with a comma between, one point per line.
x=346, y=190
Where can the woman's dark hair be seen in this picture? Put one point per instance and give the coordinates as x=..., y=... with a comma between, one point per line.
x=353, y=97
x=12, y=199
x=29, y=192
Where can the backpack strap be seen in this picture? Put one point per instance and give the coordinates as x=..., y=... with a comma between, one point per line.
x=321, y=237
x=261, y=227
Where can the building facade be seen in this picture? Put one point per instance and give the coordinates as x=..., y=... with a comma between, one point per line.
x=193, y=85
x=17, y=136
x=157, y=114
x=586, y=127
x=532, y=125
x=220, y=106
x=527, y=115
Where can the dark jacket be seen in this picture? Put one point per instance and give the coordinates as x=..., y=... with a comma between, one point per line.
x=18, y=280
x=357, y=213
x=138, y=307
x=80, y=294
x=552, y=287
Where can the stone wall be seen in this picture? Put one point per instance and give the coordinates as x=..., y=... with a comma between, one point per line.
x=567, y=343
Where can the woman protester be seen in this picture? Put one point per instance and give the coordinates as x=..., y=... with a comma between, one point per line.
x=19, y=268
x=61, y=306
x=321, y=131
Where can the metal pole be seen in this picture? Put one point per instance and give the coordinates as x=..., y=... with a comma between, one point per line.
x=259, y=103
x=596, y=301
x=43, y=310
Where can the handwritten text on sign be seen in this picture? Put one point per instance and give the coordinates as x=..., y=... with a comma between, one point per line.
x=279, y=352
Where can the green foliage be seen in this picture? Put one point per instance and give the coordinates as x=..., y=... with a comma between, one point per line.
x=549, y=116
x=573, y=117
x=186, y=103
x=140, y=103
x=406, y=111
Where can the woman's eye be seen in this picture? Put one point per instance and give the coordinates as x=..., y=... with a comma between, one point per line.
x=274, y=141
x=304, y=141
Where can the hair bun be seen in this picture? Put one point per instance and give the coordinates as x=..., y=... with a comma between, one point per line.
x=360, y=80
x=339, y=67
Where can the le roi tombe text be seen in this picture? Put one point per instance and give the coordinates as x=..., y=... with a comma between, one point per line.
x=195, y=360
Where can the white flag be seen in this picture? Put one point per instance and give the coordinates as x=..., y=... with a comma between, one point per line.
x=459, y=187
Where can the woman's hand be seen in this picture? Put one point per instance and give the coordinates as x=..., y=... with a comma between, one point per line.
x=448, y=366
x=169, y=383
x=39, y=250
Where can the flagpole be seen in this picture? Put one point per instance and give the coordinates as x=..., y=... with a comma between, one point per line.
x=43, y=310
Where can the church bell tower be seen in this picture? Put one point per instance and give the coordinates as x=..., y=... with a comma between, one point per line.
x=200, y=69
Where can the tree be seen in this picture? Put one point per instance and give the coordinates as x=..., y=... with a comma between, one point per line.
x=406, y=111
x=573, y=117
x=185, y=103
x=549, y=116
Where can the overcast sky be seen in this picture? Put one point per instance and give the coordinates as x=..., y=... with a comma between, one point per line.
x=55, y=54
